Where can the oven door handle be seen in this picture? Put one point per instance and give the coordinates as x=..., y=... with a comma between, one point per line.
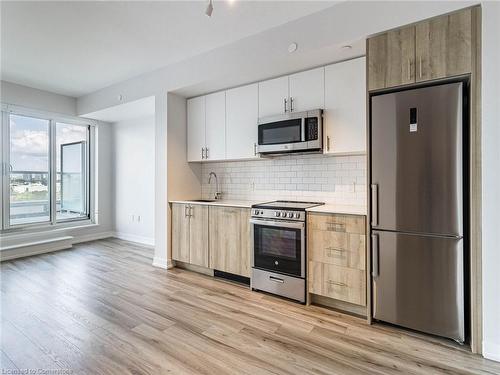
x=284, y=224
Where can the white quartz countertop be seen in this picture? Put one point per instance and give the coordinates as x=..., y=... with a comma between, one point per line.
x=338, y=209
x=223, y=202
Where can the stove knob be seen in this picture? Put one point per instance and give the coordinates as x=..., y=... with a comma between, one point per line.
x=277, y=214
x=256, y=212
x=290, y=215
x=297, y=215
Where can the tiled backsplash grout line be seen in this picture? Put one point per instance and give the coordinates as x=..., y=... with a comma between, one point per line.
x=331, y=179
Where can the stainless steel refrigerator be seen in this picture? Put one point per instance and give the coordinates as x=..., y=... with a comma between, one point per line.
x=417, y=198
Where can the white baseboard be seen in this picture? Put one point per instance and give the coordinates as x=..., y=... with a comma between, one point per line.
x=134, y=238
x=36, y=247
x=491, y=350
x=163, y=263
x=92, y=237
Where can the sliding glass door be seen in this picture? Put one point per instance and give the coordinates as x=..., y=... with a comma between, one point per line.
x=45, y=170
x=29, y=176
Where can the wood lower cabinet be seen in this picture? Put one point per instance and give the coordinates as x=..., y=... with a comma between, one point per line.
x=190, y=234
x=337, y=257
x=180, y=232
x=198, y=235
x=230, y=240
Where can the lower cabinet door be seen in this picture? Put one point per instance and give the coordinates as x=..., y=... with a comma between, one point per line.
x=198, y=235
x=180, y=232
x=230, y=240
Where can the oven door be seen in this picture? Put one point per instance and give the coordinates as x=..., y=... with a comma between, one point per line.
x=279, y=246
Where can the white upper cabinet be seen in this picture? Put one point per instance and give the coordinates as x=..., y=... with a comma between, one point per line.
x=273, y=97
x=307, y=90
x=344, y=118
x=215, y=126
x=241, y=122
x=196, y=128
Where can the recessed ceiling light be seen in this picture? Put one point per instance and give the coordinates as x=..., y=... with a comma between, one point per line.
x=346, y=47
x=210, y=8
x=292, y=47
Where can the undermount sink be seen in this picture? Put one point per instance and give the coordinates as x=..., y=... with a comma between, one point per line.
x=203, y=200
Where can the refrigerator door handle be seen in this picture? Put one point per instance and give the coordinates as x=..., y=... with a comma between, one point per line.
x=375, y=266
x=374, y=189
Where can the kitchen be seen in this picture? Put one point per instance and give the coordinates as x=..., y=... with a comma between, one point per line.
x=309, y=213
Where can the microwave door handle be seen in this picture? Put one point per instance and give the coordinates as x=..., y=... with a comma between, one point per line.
x=303, y=129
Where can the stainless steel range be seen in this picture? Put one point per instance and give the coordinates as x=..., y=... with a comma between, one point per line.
x=279, y=248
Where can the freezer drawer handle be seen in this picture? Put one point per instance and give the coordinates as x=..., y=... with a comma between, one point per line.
x=375, y=267
x=374, y=188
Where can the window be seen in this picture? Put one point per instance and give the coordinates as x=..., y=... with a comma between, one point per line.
x=46, y=170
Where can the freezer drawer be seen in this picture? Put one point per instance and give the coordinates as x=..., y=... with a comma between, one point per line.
x=418, y=282
x=417, y=160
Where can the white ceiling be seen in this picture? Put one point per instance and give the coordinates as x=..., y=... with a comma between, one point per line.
x=140, y=108
x=74, y=48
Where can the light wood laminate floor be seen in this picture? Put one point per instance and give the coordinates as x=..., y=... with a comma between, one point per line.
x=101, y=308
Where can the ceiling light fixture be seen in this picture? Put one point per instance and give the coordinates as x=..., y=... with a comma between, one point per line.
x=346, y=47
x=210, y=8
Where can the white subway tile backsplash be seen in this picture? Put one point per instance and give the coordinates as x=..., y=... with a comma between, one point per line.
x=330, y=179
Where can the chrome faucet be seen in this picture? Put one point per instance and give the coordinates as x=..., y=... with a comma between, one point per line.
x=218, y=193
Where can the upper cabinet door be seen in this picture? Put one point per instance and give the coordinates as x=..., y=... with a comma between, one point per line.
x=443, y=46
x=345, y=107
x=196, y=128
x=273, y=97
x=391, y=58
x=242, y=109
x=307, y=90
x=215, y=126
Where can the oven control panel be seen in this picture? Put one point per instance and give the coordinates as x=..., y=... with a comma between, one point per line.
x=295, y=215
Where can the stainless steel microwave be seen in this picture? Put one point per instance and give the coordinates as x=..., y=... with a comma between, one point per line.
x=291, y=132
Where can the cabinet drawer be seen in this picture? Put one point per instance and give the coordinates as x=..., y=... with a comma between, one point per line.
x=341, y=249
x=345, y=284
x=337, y=223
x=341, y=283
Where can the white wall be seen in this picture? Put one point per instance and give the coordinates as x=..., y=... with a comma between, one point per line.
x=28, y=97
x=133, y=179
x=491, y=178
x=175, y=178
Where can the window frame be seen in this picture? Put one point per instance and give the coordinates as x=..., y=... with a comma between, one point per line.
x=53, y=118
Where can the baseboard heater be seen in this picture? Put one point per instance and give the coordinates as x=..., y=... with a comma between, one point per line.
x=232, y=277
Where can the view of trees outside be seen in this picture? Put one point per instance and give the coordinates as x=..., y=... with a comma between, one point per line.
x=29, y=169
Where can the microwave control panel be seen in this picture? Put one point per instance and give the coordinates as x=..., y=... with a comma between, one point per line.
x=312, y=128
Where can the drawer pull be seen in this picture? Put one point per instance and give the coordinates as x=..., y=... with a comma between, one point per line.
x=330, y=250
x=336, y=227
x=276, y=279
x=336, y=283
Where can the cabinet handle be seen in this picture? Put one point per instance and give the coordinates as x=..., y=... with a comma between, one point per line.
x=327, y=143
x=284, y=103
x=191, y=211
x=420, y=67
x=336, y=283
x=330, y=249
x=409, y=69
x=203, y=152
x=186, y=208
x=255, y=149
x=291, y=104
